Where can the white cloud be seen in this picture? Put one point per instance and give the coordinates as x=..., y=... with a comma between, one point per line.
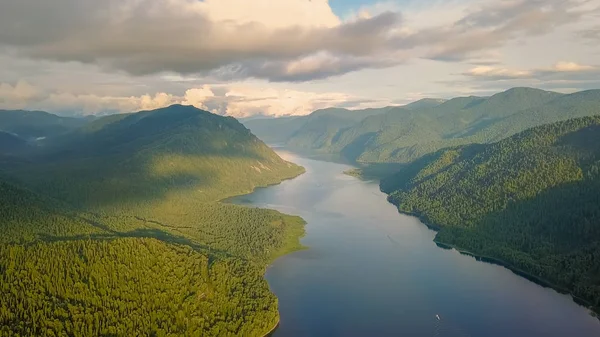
x=198, y=96
x=244, y=101
x=498, y=73
x=571, y=67
x=283, y=40
x=286, y=56
x=559, y=71
x=238, y=100
x=18, y=95
x=272, y=14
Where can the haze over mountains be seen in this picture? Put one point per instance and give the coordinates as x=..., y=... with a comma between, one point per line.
x=403, y=134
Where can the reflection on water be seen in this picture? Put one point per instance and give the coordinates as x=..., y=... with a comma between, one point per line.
x=373, y=272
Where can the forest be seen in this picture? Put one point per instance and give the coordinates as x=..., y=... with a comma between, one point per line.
x=531, y=201
x=402, y=134
x=115, y=227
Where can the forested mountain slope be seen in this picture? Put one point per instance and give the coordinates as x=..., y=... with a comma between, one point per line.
x=531, y=200
x=11, y=144
x=37, y=124
x=403, y=134
x=123, y=234
x=312, y=131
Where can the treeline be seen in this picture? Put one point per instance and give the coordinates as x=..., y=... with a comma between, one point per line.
x=532, y=200
x=129, y=287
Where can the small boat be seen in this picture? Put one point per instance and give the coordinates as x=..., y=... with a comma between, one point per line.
x=438, y=317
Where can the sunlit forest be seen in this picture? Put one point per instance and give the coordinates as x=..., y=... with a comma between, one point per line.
x=116, y=228
x=531, y=201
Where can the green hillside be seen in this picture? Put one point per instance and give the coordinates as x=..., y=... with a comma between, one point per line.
x=123, y=234
x=424, y=103
x=37, y=124
x=403, y=134
x=531, y=200
x=311, y=132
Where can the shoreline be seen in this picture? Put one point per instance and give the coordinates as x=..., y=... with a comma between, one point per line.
x=595, y=312
x=272, y=331
x=257, y=187
x=284, y=252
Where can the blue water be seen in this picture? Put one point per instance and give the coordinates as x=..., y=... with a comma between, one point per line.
x=371, y=271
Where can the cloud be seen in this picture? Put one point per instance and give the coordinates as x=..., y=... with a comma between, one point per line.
x=182, y=36
x=284, y=40
x=494, y=73
x=238, y=100
x=563, y=71
x=17, y=95
x=493, y=24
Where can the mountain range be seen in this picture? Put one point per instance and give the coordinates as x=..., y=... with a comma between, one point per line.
x=403, y=134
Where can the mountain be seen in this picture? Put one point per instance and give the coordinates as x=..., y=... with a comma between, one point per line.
x=403, y=134
x=309, y=132
x=31, y=125
x=11, y=144
x=120, y=219
x=530, y=201
x=424, y=103
x=274, y=130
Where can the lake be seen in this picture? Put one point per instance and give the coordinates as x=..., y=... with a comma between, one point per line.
x=370, y=271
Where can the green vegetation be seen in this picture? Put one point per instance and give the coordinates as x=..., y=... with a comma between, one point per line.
x=116, y=228
x=355, y=172
x=311, y=132
x=36, y=124
x=404, y=134
x=531, y=201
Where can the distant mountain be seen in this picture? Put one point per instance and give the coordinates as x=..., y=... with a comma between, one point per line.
x=31, y=125
x=424, y=103
x=400, y=136
x=274, y=130
x=531, y=201
x=403, y=134
x=124, y=211
x=309, y=132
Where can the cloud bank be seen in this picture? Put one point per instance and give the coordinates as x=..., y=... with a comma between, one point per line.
x=234, y=100
x=284, y=40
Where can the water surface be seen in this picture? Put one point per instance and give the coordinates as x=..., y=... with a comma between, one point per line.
x=371, y=271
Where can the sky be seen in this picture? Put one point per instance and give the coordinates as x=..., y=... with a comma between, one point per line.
x=287, y=57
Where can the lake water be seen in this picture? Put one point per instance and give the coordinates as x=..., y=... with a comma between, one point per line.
x=370, y=271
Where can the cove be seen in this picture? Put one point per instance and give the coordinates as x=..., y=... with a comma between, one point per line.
x=371, y=271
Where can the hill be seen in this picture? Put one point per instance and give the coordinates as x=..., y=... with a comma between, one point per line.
x=123, y=231
x=424, y=103
x=309, y=132
x=31, y=125
x=530, y=201
x=403, y=134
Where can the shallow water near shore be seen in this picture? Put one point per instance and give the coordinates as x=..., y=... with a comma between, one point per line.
x=370, y=271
